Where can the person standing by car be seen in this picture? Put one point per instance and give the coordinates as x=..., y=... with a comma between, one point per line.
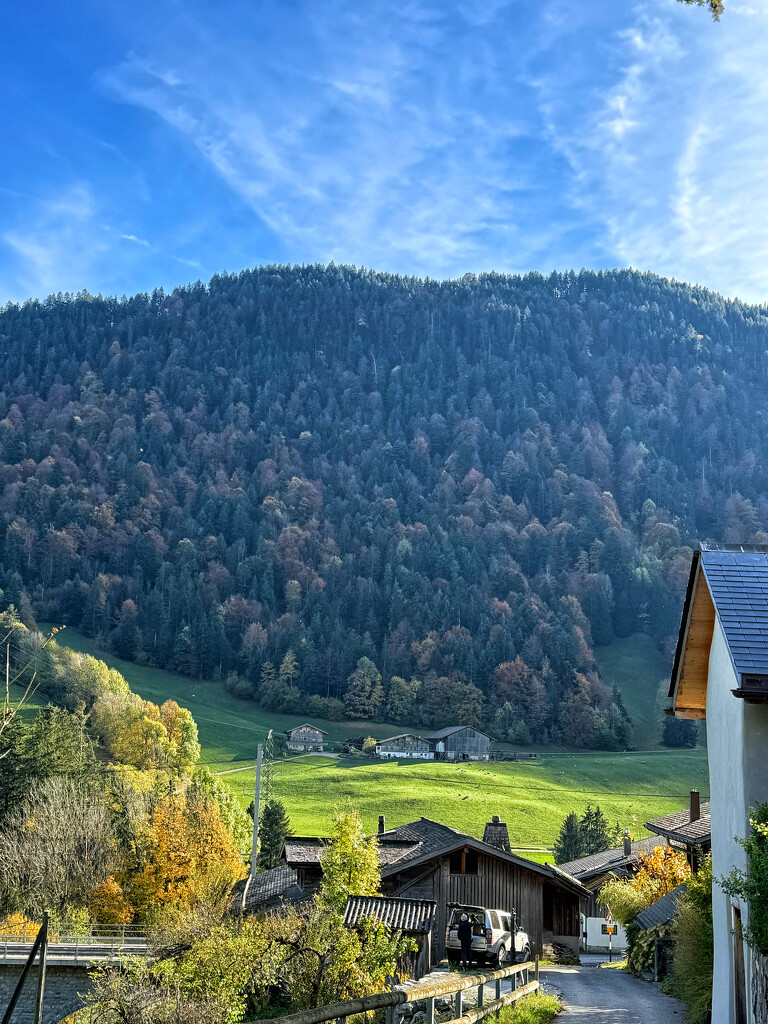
x=464, y=932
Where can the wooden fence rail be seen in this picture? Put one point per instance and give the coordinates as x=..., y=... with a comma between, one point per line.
x=428, y=991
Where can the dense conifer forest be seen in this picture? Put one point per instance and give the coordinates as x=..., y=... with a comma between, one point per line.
x=349, y=493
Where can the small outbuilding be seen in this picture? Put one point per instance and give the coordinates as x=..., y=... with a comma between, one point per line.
x=306, y=738
x=413, y=918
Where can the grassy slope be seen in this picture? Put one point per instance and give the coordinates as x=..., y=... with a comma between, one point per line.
x=636, y=666
x=229, y=729
x=533, y=797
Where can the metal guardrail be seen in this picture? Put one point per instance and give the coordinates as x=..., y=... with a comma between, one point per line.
x=428, y=990
x=73, y=943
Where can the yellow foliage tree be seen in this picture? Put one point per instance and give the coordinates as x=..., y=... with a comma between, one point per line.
x=659, y=872
x=108, y=904
x=187, y=851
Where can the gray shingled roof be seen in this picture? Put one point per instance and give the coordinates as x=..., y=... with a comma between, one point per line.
x=420, y=841
x=662, y=910
x=449, y=731
x=266, y=890
x=738, y=583
x=679, y=826
x=307, y=725
x=402, y=736
x=609, y=860
x=399, y=914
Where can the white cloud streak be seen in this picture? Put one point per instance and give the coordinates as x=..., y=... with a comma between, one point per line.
x=673, y=159
x=384, y=151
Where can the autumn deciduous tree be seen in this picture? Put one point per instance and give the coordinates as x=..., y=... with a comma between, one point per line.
x=350, y=861
x=659, y=872
x=186, y=851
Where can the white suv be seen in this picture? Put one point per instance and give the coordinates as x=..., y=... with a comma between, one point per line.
x=496, y=939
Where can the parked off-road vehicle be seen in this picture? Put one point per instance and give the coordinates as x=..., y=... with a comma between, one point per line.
x=496, y=939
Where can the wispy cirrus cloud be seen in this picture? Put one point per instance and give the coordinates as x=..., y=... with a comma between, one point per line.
x=390, y=148
x=672, y=158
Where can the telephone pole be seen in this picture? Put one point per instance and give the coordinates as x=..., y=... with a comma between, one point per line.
x=254, y=851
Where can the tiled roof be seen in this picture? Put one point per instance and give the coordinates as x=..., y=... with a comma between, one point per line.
x=738, y=583
x=304, y=849
x=267, y=889
x=401, y=736
x=306, y=725
x=679, y=826
x=419, y=841
x=662, y=910
x=449, y=731
x=609, y=860
x=399, y=914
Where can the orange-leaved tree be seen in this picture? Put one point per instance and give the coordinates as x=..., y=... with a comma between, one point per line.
x=186, y=853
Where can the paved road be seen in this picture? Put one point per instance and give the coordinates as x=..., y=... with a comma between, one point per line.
x=595, y=995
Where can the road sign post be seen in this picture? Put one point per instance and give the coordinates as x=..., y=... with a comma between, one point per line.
x=609, y=924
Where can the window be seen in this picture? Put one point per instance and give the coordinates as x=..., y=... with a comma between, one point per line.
x=464, y=862
x=494, y=919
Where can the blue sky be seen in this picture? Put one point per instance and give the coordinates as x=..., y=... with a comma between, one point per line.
x=154, y=143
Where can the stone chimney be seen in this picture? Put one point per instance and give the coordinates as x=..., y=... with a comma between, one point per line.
x=627, y=843
x=695, y=805
x=496, y=834
x=382, y=824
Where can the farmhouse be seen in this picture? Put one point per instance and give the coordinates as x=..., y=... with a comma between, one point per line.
x=426, y=860
x=594, y=872
x=307, y=738
x=459, y=743
x=720, y=673
x=405, y=745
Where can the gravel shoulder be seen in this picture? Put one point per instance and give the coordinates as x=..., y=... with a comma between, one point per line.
x=594, y=995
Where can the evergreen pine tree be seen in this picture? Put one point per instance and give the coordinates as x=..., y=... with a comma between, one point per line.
x=569, y=843
x=274, y=827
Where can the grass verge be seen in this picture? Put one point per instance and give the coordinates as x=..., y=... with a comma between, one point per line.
x=536, y=1009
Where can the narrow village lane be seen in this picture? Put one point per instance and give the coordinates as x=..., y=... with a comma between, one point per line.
x=602, y=996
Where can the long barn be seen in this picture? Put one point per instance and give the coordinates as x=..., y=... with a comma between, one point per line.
x=429, y=861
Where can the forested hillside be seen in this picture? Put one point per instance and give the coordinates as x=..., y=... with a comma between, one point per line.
x=467, y=485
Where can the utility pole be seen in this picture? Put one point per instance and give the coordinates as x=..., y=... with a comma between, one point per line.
x=254, y=851
x=41, y=970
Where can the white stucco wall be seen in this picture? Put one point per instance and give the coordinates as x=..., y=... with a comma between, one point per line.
x=596, y=942
x=737, y=738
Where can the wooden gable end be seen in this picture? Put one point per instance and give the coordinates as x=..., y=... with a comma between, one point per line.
x=692, y=661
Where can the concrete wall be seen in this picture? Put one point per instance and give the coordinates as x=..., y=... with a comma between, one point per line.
x=62, y=985
x=737, y=738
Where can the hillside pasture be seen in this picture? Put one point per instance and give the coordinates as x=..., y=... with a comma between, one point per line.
x=532, y=796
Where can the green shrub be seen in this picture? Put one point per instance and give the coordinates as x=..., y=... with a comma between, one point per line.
x=694, y=951
x=752, y=885
x=536, y=1009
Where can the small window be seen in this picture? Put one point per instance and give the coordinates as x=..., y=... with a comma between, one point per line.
x=494, y=919
x=464, y=862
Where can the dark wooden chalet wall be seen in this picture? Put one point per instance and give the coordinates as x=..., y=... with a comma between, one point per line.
x=496, y=884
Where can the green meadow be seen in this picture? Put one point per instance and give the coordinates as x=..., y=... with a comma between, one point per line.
x=636, y=666
x=532, y=796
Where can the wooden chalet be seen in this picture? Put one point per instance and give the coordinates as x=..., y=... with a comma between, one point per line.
x=459, y=743
x=307, y=738
x=426, y=860
x=405, y=745
x=594, y=872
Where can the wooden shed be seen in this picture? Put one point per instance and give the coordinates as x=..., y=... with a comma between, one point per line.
x=459, y=743
x=413, y=918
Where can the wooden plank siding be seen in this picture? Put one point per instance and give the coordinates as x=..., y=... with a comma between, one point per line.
x=691, y=699
x=497, y=885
